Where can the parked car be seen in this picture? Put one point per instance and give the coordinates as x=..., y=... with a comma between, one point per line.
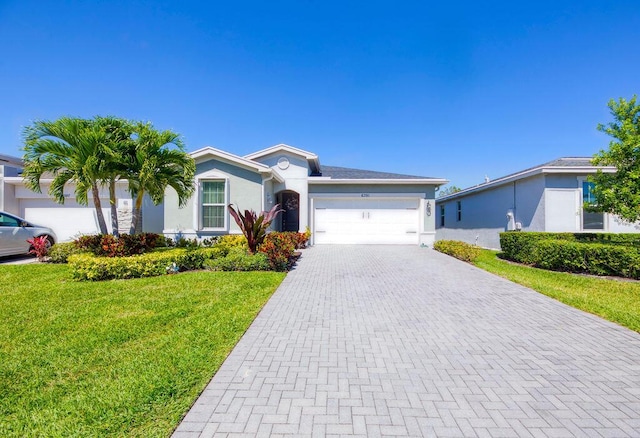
x=14, y=232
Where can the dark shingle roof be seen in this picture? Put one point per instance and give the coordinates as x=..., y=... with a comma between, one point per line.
x=335, y=172
x=569, y=162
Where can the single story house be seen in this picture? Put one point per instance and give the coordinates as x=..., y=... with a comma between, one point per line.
x=548, y=197
x=339, y=205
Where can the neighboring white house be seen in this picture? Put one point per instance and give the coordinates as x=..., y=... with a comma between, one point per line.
x=339, y=205
x=548, y=197
x=70, y=219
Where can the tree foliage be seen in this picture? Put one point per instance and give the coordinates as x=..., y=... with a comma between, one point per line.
x=157, y=161
x=94, y=153
x=450, y=190
x=619, y=192
x=68, y=150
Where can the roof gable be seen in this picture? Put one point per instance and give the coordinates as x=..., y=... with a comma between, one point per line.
x=312, y=159
x=209, y=152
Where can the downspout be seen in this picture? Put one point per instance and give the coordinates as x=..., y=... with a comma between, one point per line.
x=514, y=203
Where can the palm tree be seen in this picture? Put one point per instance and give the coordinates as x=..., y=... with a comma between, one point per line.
x=72, y=150
x=119, y=141
x=155, y=165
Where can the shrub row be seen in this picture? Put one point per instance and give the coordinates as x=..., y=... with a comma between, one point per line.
x=516, y=244
x=460, y=250
x=592, y=253
x=590, y=258
x=90, y=267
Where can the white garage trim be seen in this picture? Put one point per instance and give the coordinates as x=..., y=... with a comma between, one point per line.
x=373, y=219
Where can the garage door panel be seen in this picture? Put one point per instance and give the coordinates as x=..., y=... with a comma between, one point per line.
x=369, y=221
x=67, y=222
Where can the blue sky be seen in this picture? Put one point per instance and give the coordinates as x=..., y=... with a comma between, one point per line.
x=457, y=90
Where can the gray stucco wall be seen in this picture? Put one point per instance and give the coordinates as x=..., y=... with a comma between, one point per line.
x=529, y=208
x=428, y=190
x=244, y=191
x=484, y=213
x=152, y=216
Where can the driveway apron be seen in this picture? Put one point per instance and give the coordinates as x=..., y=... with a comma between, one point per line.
x=404, y=341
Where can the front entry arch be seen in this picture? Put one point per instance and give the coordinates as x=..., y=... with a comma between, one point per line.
x=289, y=202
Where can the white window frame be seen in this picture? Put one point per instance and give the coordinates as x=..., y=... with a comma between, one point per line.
x=198, y=205
x=605, y=216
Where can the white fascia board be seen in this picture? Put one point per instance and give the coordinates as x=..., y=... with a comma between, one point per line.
x=327, y=181
x=209, y=152
x=578, y=169
x=275, y=175
x=526, y=174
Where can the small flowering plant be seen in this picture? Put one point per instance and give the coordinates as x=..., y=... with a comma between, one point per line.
x=173, y=268
x=39, y=246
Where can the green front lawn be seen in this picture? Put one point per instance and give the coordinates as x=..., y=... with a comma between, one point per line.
x=615, y=300
x=115, y=358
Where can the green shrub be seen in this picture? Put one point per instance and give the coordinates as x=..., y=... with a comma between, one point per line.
x=185, y=242
x=575, y=252
x=279, y=248
x=239, y=260
x=60, y=252
x=460, y=250
x=520, y=246
x=111, y=246
x=591, y=258
x=91, y=267
x=231, y=241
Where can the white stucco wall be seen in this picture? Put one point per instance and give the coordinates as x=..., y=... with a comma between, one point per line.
x=295, y=177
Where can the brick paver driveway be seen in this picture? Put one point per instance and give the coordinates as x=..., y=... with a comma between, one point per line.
x=383, y=340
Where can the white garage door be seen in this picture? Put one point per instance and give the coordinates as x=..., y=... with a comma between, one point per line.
x=66, y=222
x=367, y=221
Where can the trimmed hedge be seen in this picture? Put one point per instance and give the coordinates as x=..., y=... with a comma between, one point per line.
x=517, y=245
x=560, y=252
x=460, y=250
x=94, y=268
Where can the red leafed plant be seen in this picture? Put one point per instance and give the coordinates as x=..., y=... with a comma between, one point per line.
x=39, y=246
x=254, y=226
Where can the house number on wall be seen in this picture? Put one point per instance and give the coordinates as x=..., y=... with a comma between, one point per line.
x=364, y=195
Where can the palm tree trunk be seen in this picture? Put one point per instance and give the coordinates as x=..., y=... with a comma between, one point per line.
x=114, y=207
x=96, y=202
x=136, y=216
